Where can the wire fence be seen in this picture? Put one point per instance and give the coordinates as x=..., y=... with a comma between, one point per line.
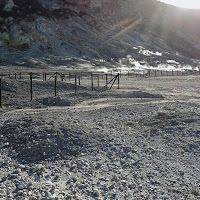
x=80, y=78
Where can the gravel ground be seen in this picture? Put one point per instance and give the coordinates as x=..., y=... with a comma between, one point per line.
x=141, y=141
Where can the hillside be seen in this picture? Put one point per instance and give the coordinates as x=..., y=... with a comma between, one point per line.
x=48, y=32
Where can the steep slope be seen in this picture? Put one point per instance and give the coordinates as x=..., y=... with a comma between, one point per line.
x=179, y=26
x=148, y=32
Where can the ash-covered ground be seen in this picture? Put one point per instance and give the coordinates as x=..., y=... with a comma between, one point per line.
x=137, y=142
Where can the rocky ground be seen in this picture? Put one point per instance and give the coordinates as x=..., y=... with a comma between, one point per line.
x=137, y=142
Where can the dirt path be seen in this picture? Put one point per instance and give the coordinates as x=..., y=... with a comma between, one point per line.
x=90, y=105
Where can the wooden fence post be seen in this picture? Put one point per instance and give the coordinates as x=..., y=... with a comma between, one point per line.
x=9, y=74
x=55, y=85
x=92, y=83
x=118, y=80
x=106, y=80
x=31, y=86
x=79, y=80
x=98, y=80
x=75, y=84
x=0, y=93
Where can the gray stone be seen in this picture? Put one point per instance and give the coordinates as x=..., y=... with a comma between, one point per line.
x=21, y=166
x=52, y=197
x=21, y=186
x=10, y=18
x=48, y=183
x=3, y=179
x=9, y=6
x=2, y=192
x=37, y=168
x=5, y=36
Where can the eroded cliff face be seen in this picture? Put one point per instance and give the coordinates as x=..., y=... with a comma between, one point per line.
x=103, y=29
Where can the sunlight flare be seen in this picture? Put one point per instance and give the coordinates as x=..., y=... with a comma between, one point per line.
x=190, y=4
x=125, y=28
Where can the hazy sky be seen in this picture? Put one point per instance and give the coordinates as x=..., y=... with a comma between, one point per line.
x=194, y=4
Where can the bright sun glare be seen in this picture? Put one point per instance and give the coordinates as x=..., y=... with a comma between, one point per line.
x=191, y=4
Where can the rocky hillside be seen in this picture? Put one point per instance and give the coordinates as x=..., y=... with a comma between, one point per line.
x=149, y=32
